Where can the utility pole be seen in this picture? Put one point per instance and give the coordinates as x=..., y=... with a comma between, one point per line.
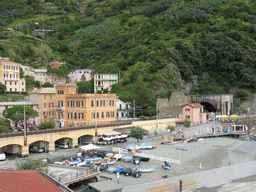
x=72, y=102
x=156, y=114
x=134, y=108
x=96, y=130
x=25, y=136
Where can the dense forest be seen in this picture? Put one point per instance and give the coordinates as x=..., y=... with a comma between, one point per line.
x=157, y=46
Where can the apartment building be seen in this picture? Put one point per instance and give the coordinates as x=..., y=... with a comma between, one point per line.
x=10, y=75
x=57, y=64
x=42, y=76
x=193, y=112
x=123, y=108
x=80, y=75
x=75, y=110
x=45, y=98
x=104, y=82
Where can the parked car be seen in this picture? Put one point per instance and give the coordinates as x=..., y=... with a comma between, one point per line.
x=63, y=146
x=2, y=156
x=34, y=149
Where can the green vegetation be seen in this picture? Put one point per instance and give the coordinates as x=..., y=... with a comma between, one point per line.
x=187, y=123
x=31, y=164
x=16, y=113
x=47, y=84
x=170, y=128
x=2, y=88
x=157, y=46
x=4, y=126
x=47, y=125
x=137, y=133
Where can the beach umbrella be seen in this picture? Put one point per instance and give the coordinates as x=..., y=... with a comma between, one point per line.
x=224, y=116
x=234, y=116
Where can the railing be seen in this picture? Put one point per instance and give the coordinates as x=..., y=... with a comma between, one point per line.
x=119, y=150
x=60, y=108
x=59, y=119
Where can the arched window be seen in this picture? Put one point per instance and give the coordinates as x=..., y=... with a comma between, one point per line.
x=75, y=115
x=97, y=114
x=92, y=103
x=102, y=115
x=97, y=103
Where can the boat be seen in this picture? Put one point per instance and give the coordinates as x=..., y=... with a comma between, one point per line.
x=136, y=161
x=136, y=174
x=145, y=159
x=103, y=168
x=74, y=162
x=120, y=170
x=111, y=169
x=127, y=172
x=167, y=166
x=145, y=146
x=87, y=165
x=132, y=146
x=92, y=159
x=145, y=170
x=137, y=151
x=101, y=154
x=109, y=155
x=108, y=161
x=118, y=156
x=127, y=158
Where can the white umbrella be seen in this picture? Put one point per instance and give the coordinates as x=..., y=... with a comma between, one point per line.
x=89, y=147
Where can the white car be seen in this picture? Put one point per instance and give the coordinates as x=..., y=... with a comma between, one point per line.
x=2, y=156
x=63, y=146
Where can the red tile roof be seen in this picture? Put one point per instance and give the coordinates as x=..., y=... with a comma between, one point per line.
x=193, y=105
x=25, y=181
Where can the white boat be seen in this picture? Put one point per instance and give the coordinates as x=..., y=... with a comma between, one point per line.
x=74, y=162
x=118, y=156
x=145, y=170
x=167, y=166
x=108, y=162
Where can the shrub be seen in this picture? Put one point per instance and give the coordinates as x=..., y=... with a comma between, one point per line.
x=25, y=156
x=76, y=146
x=187, y=123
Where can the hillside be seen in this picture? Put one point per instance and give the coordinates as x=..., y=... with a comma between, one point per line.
x=201, y=46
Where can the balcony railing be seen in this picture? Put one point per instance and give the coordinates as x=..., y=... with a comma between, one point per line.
x=61, y=108
x=59, y=120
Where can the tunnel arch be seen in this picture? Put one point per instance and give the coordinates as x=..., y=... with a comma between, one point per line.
x=208, y=106
x=11, y=149
x=66, y=140
x=40, y=144
x=85, y=139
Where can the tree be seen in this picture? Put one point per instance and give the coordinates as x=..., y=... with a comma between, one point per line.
x=47, y=125
x=21, y=73
x=2, y=88
x=16, y=113
x=170, y=127
x=4, y=122
x=4, y=129
x=47, y=84
x=187, y=123
x=137, y=133
x=85, y=87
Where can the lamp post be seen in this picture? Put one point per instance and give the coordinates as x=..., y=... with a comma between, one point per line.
x=25, y=136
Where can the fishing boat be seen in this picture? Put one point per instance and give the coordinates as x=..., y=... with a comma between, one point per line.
x=109, y=155
x=145, y=146
x=92, y=159
x=127, y=158
x=167, y=166
x=136, y=174
x=87, y=165
x=127, y=172
x=136, y=161
x=132, y=146
x=103, y=168
x=120, y=170
x=145, y=159
x=74, y=162
x=108, y=161
x=118, y=156
x=137, y=151
x=145, y=170
x=111, y=169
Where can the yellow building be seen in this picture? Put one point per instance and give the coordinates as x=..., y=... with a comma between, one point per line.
x=10, y=75
x=75, y=110
x=104, y=82
x=45, y=98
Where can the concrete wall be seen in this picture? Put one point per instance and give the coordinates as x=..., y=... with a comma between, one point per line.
x=196, y=180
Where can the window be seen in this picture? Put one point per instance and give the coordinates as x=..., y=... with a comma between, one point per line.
x=187, y=109
x=22, y=89
x=102, y=115
x=44, y=113
x=122, y=114
x=15, y=82
x=92, y=103
x=107, y=114
x=120, y=106
x=70, y=115
x=111, y=103
x=93, y=115
x=60, y=103
x=187, y=116
x=97, y=103
x=60, y=92
x=10, y=83
x=75, y=103
x=15, y=89
x=10, y=89
x=10, y=75
x=50, y=113
x=6, y=107
x=117, y=114
x=70, y=104
x=98, y=115
x=106, y=102
x=5, y=82
x=81, y=115
x=81, y=103
x=201, y=110
x=75, y=116
x=112, y=114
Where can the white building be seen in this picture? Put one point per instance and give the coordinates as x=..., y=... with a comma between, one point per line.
x=77, y=75
x=123, y=108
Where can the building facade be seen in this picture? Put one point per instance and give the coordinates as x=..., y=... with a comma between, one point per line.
x=45, y=98
x=42, y=76
x=104, y=82
x=193, y=112
x=56, y=64
x=10, y=75
x=80, y=75
x=122, y=109
x=75, y=110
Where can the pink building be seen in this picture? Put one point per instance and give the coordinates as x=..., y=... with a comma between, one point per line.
x=194, y=112
x=31, y=122
x=79, y=74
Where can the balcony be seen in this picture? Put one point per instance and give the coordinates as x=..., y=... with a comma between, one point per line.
x=59, y=120
x=60, y=108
